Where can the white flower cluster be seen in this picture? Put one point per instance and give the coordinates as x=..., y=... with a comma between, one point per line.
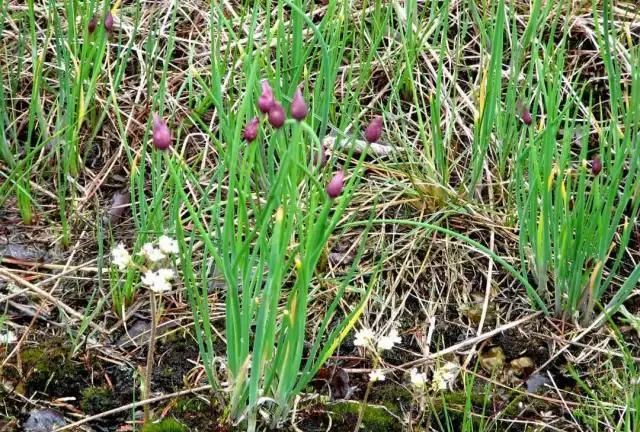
x=445, y=376
x=166, y=247
x=418, y=379
x=158, y=280
x=388, y=342
x=120, y=257
x=365, y=338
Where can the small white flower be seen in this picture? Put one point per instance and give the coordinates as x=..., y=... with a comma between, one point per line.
x=8, y=337
x=418, y=379
x=166, y=274
x=152, y=253
x=547, y=415
x=376, y=375
x=364, y=337
x=445, y=376
x=167, y=245
x=156, y=281
x=120, y=257
x=389, y=341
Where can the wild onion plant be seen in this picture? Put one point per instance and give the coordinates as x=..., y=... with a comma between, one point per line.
x=260, y=222
x=265, y=235
x=489, y=97
x=578, y=205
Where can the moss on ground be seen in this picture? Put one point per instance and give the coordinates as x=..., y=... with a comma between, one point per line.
x=199, y=414
x=97, y=399
x=375, y=418
x=166, y=425
x=48, y=368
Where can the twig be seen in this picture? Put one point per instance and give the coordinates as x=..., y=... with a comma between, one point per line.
x=471, y=341
x=42, y=293
x=131, y=406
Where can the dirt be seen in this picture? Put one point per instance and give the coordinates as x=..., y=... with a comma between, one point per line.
x=95, y=386
x=517, y=344
x=177, y=358
x=47, y=371
x=343, y=416
x=199, y=414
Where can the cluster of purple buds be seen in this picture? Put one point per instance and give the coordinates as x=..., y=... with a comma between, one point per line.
x=108, y=23
x=276, y=115
x=267, y=104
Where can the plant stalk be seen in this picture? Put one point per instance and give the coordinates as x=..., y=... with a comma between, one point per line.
x=150, y=352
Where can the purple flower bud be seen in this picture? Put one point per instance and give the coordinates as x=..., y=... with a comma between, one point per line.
x=266, y=99
x=373, y=132
x=596, y=166
x=108, y=22
x=335, y=186
x=161, y=133
x=525, y=114
x=299, y=108
x=251, y=129
x=93, y=23
x=277, y=116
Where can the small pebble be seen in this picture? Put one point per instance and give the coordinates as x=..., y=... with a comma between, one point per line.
x=44, y=420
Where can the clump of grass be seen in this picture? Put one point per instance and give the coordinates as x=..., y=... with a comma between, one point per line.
x=610, y=389
x=577, y=217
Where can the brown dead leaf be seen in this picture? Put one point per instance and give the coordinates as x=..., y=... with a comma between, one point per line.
x=119, y=203
x=338, y=380
x=342, y=254
x=20, y=252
